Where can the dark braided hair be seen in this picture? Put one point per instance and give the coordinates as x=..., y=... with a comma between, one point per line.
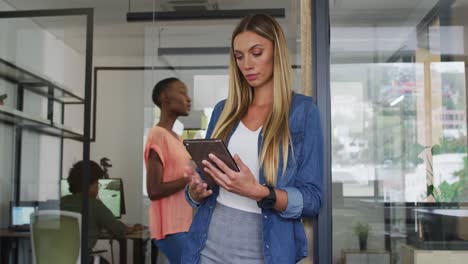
x=160, y=87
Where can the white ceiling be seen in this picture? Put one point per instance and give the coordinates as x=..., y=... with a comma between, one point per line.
x=111, y=26
x=114, y=36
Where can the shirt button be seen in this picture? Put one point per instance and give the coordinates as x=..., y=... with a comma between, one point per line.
x=265, y=216
x=267, y=246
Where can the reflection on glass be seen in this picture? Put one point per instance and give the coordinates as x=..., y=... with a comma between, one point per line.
x=379, y=131
x=399, y=132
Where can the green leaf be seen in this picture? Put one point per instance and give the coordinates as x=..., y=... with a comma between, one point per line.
x=430, y=190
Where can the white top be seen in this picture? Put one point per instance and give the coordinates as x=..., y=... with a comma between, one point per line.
x=243, y=142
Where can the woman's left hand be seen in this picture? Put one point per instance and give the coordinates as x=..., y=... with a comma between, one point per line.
x=242, y=183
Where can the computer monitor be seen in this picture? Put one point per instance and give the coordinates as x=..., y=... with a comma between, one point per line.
x=20, y=214
x=64, y=188
x=111, y=193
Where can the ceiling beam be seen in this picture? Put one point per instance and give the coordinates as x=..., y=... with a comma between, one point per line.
x=201, y=14
x=193, y=51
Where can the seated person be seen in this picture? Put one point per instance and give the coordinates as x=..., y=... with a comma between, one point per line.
x=99, y=216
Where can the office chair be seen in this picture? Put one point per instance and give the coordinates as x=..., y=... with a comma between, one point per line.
x=56, y=237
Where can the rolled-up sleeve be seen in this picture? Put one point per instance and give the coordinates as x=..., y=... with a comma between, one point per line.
x=295, y=203
x=309, y=178
x=189, y=199
x=305, y=195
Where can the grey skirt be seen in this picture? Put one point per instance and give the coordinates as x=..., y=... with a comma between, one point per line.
x=234, y=236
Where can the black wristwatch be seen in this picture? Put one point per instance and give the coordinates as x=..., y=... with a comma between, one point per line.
x=269, y=201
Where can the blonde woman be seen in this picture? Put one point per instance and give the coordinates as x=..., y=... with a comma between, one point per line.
x=253, y=216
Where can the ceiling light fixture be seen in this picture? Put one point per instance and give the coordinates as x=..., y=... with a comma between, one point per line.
x=193, y=51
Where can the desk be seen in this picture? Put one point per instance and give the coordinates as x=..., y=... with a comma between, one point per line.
x=408, y=213
x=441, y=229
x=8, y=238
x=139, y=238
x=352, y=256
x=412, y=255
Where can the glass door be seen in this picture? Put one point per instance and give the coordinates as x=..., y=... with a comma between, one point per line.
x=399, y=131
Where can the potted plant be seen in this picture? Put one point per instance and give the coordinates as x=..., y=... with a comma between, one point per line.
x=362, y=231
x=2, y=98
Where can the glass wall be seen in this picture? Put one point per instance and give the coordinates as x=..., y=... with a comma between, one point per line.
x=42, y=80
x=399, y=131
x=129, y=58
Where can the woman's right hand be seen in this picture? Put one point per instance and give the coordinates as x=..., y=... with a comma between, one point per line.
x=198, y=189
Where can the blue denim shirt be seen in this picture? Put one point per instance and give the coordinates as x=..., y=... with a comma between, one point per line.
x=284, y=239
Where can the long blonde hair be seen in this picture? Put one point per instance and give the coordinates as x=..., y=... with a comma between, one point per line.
x=276, y=128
